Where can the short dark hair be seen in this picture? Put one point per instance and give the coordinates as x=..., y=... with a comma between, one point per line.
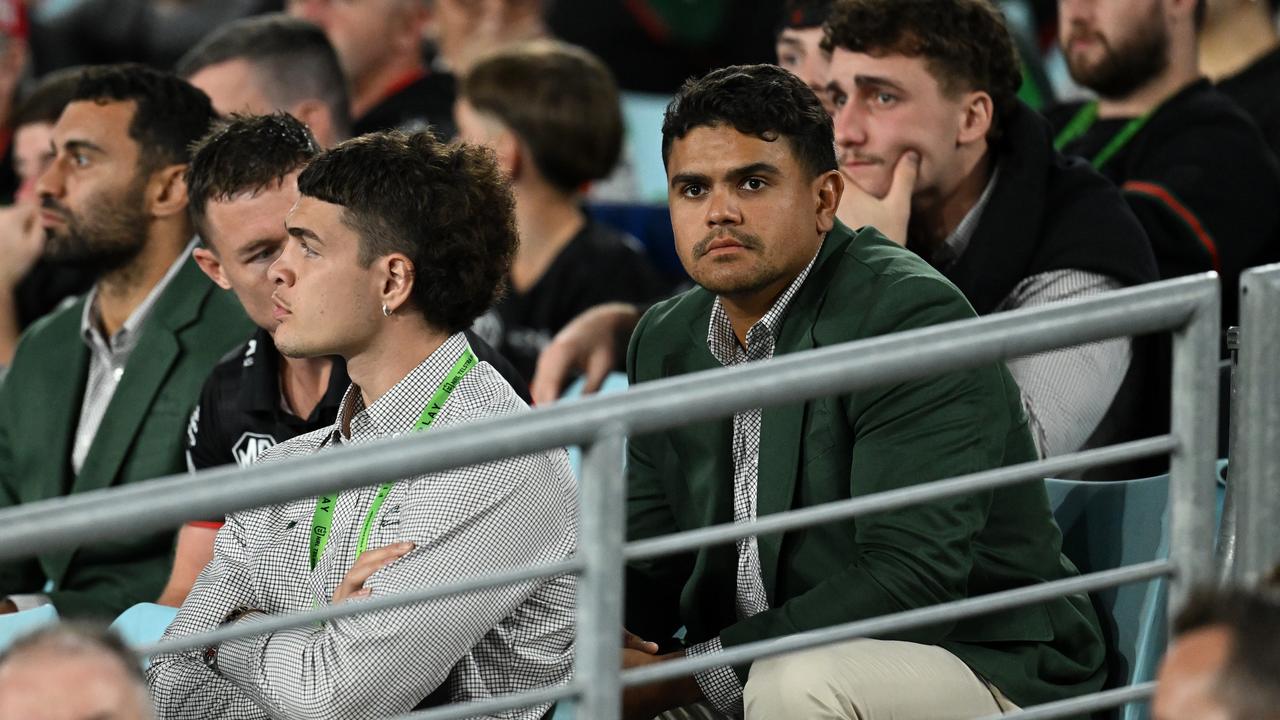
x=76, y=638
x=1247, y=683
x=560, y=100
x=292, y=61
x=965, y=43
x=245, y=153
x=170, y=113
x=47, y=99
x=446, y=207
x=763, y=101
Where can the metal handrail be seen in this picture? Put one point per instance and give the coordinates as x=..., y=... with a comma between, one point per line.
x=1188, y=306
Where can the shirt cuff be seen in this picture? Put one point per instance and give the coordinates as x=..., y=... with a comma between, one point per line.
x=235, y=659
x=719, y=685
x=29, y=602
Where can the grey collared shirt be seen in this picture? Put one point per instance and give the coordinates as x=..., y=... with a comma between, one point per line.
x=109, y=358
x=720, y=685
x=465, y=522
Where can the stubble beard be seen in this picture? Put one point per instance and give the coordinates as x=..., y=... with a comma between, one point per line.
x=107, y=236
x=1126, y=67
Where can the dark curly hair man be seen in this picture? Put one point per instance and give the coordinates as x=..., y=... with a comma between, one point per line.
x=397, y=242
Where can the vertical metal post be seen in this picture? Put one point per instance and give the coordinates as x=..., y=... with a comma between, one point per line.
x=1191, y=469
x=1227, y=531
x=599, y=644
x=1255, y=467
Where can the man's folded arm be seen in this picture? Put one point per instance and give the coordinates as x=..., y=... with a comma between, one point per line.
x=387, y=662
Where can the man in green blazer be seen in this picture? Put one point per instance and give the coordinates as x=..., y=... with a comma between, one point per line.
x=753, y=190
x=99, y=391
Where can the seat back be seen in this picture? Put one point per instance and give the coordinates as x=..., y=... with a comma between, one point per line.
x=613, y=382
x=1109, y=525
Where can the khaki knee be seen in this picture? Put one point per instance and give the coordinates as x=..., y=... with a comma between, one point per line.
x=803, y=684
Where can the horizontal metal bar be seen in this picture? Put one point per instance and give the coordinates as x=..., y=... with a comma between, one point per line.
x=492, y=706
x=70, y=521
x=903, y=497
x=1073, y=707
x=276, y=623
x=898, y=622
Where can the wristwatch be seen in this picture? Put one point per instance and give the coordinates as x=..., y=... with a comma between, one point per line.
x=211, y=652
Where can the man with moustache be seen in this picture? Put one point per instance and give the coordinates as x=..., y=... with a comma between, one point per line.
x=99, y=391
x=1193, y=166
x=753, y=192
x=941, y=156
x=396, y=244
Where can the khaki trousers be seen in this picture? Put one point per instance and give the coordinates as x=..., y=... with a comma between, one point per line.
x=864, y=680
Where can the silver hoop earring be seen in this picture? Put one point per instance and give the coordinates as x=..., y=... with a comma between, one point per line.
x=386, y=311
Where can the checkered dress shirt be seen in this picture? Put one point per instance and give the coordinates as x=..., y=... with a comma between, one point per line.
x=721, y=685
x=466, y=522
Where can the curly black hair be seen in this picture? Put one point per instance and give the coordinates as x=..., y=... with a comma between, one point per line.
x=446, y=207
x=170, y=113
x=965, y=43
x=763, y=101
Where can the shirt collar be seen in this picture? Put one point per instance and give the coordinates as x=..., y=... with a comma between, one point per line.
x=724, y=344
x=958, y=241
x=398, y=410
x=127, y=335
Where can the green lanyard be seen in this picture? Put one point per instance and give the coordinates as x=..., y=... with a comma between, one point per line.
x=322, y=520
x=1084, y=119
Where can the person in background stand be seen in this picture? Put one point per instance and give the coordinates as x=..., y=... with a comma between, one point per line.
x=550, y=111
x=31, y=286
x=379, y=43
x=1193, y=166
x=1240, y=51
x=800, y=45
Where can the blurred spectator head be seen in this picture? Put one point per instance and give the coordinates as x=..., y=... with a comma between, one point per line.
x=273, y=62
x=372, y=37
x=70, y=672
x=931, y=76
x=1223, y=662
x=242, y=182
x=1115, y=47
x=392, y=228
x=33, y=120
x=122, y=146
x=799, y=44
x=549, y=110
x=466, y=30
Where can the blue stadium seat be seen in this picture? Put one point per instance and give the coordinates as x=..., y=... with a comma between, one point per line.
x=614, y=382
x=1109, y=524
x=1106, y=525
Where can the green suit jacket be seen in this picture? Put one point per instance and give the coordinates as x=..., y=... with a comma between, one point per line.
x=191, y=326
x=851, y=445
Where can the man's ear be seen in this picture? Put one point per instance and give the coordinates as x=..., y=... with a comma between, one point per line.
x=166, y=192
x=510, y=153
x=828, y=188
x=211, y=265
x=397, y=281
x=978, y=116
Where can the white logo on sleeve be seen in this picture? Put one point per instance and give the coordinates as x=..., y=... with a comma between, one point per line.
x=250, y=447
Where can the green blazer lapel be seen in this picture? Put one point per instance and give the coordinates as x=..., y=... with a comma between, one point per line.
x=148, y=368
x=54, y=420
x=781, y=427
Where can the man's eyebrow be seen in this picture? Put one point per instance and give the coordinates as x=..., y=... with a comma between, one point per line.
x=863, y=81
x=689, y=178
x=256, y=247
x=795, y=42
x=301, y=232
x=74, y=145
x=760, y=168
